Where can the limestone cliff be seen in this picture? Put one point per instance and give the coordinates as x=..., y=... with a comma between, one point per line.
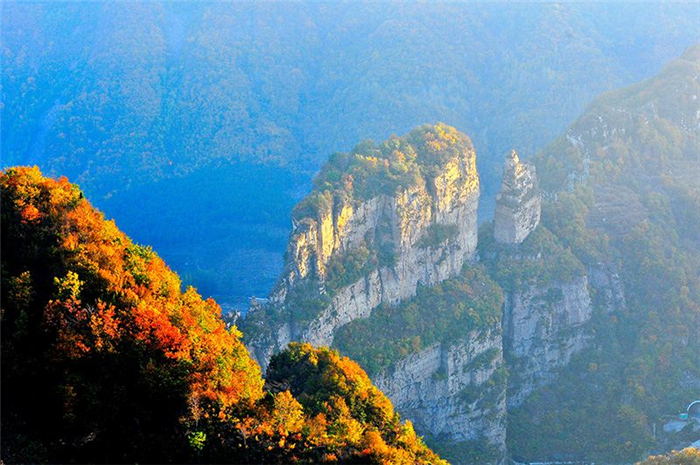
x=609, y=290
x=519, y=202
x=543, y=327
x=354, y=251
x=623, y=182
x=455, y=394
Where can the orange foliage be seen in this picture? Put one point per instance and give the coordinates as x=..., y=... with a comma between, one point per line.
x=115, y=326
x=111, y=293
x=339, y=397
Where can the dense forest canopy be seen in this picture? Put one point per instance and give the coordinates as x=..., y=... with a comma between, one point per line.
x=106, y=359
x=120, y=96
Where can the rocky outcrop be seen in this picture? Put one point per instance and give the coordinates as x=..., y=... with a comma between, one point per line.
x=454, y=393
x=428, y=230
x=519, y=202
x=402, y=222
x=610, y=293
x=543, y=327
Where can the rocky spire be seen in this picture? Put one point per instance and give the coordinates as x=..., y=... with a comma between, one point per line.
x=518, y=203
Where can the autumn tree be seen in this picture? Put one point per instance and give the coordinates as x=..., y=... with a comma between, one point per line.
x=106, y=359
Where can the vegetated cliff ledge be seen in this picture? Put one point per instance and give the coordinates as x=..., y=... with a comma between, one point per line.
x=457, y=393
x=381, y=221
x=547, y=302
x=543, y=329
x=623, y=186
x=439, y=356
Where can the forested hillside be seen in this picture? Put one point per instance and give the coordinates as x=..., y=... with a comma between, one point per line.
x=105, y=359
x=624, y=195
x=121, y=96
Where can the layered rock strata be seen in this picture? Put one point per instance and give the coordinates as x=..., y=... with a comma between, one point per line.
x=455, y=393
x=519, y=202
x=543, y=328
x=428, y=231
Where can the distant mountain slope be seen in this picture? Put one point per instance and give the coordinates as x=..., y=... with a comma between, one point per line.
x=106, y=360
x=624, y=194
x=121, y=95
x=152, y=89
x=651, y=128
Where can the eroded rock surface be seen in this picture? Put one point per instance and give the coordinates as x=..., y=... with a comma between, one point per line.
x=543, y=328
x=453, y=394
x=519, y=202
x=421, y=235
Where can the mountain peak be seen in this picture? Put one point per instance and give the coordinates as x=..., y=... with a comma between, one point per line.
x=375, y=228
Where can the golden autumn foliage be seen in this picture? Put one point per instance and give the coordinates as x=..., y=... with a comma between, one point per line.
x=106, y=359
x=92, y=298
x=339, y=397
x=687, y=456
x=398, y=163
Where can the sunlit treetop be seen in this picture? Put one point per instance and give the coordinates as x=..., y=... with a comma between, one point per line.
x=373, y=169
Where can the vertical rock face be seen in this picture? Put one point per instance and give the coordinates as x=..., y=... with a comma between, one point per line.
x=420, y=235
x=405, y=223
x=543, y=328
x=519, y=202
x=453, y=394
x=610, y=293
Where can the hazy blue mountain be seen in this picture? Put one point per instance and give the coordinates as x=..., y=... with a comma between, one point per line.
x=241, y=102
